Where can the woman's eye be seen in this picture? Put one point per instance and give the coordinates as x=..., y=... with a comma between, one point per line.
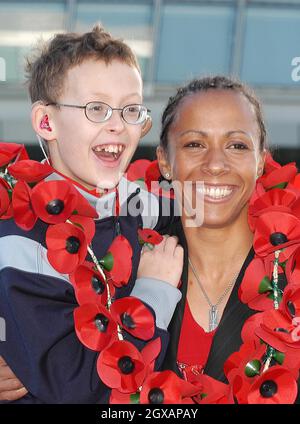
x=193, y=144
x=238, y=146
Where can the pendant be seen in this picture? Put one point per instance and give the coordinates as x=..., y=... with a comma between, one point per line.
x=213, y=318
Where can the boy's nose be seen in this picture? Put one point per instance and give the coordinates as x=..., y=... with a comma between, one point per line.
x=115, y=123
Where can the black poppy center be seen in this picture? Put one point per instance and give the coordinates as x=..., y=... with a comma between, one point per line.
x=278, y=238
x=291, y=308
x=268, y=388
x=281, y=330
x=156, y=395
x=101, y=322
x=97, y=285
x=126, y=365
x=55, y=207
x=72, y=244
x=127, y=321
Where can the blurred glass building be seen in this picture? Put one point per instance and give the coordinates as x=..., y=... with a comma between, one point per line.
x=255, y=40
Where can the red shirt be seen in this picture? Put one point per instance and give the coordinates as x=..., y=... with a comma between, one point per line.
x=194, y=344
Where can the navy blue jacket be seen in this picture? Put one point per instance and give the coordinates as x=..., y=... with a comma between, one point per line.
x=37, y=303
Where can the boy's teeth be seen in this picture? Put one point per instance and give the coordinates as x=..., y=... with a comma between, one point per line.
x=110, y=148
x=216, y=192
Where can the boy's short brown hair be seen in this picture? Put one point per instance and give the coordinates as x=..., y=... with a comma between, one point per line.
x=47, y=68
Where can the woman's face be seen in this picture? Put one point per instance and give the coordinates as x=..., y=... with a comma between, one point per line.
x=214, y=140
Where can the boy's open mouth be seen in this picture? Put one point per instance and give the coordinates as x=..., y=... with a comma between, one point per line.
x=109, y=152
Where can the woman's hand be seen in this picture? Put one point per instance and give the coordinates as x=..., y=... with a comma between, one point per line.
x=164, y=262
x=10, y=387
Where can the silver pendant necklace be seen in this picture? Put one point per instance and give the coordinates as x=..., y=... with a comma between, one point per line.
x=213, y=318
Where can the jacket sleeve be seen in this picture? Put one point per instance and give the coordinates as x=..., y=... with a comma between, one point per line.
x=161, y=298
x=41, y=345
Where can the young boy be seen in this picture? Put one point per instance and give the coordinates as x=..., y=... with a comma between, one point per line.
x=86, y=92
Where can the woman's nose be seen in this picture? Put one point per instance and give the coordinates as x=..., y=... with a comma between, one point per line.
x=215, y=162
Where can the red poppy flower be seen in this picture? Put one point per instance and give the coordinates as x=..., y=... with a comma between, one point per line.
x=118, y=261
x=243, y=368
x=117, y=397
x=214, y=391
x=121, y=366
x=290, y=304
x=248, y=331
x=270, y=164
x=54, y=201
x=256, y=286
x=146, y=235
x=275, y=200
x=279, y=177
x=166, y=387
x=274, y=231
x=289, y=356
x=83, y=207
x=89, y=285
x=4, y=198
x=243, y=360
x=86, y=224
x=30, y=171
x=94, y=326
x=275, y=386
x=11, y=151
x=276, y=330
x=134, y=317
x=67, y=247
x=24, y=215
x=137, y=170
x=150, y=352
x=155, y=182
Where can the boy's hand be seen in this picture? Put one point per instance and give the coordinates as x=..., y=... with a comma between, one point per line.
x=10, y=387
x=164, y=262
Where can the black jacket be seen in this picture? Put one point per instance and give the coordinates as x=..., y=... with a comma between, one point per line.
x=227, y=338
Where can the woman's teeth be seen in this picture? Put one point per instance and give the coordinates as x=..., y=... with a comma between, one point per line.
x=215, y=192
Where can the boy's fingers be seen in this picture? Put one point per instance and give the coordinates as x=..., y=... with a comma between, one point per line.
x=13, y=394
x=10, y=384
x=6, y=372
x=171, y=244
x=178, y=254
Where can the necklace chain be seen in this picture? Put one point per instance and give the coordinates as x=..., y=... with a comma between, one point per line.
x=223, y=295
x=213, y=312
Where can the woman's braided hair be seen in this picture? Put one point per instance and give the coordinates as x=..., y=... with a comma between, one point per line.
x=218, y=82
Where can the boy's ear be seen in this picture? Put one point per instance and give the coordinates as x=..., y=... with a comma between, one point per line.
x=41, y=121
x=146, y=127
x=163, y=163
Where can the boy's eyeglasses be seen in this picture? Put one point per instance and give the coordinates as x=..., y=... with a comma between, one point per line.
x=101, y=112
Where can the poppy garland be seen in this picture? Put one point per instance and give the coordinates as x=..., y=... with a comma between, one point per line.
x=264, y=370
x=100, y=321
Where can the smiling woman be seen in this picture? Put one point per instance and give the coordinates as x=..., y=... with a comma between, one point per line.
x=213, y=136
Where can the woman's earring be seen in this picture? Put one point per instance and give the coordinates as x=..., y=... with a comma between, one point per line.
x=167, y=175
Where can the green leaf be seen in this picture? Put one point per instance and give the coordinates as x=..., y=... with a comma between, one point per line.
x=107, y=261
x=252, y=368
x=265, y=285
x=278, y=356
x=135, y=398
x=280, y=185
